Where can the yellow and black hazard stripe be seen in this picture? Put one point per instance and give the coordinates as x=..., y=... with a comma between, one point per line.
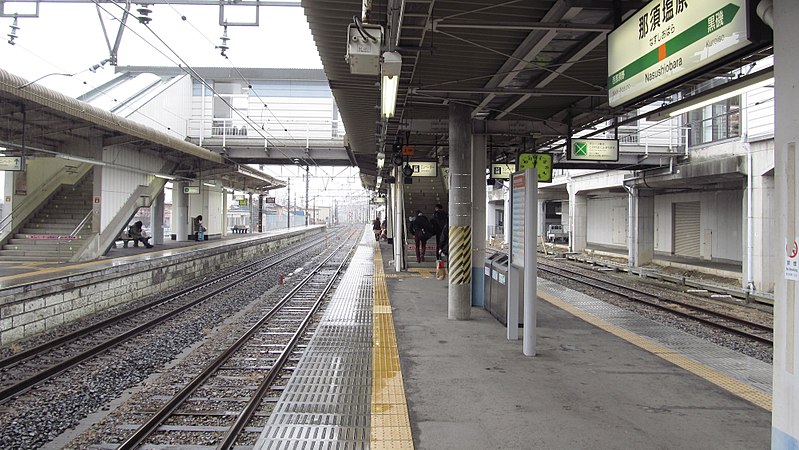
x=460, y=255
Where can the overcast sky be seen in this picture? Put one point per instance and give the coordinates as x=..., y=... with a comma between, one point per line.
x=68, y=38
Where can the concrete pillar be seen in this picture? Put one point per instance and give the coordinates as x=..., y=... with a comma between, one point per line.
x=8, y=205
x=785, y=412
x=180, y=211
x=97, y=192
x=541, y=228
x=578, y=220
x=157, y=218
x=641, y=226
x=460, y=212
x=399, y=222
x=478, y=211
x=763, y=212
x=253, y=225
x=225, y=222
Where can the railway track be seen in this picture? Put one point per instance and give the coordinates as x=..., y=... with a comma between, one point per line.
x=33, y=366
x=720, y=320
x=230, y=390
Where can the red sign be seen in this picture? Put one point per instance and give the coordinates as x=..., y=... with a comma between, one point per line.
x=407, y=150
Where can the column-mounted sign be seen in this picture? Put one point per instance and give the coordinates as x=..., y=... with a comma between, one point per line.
x=593, y=149
x=666, y=41
x=191, y=189
x=12, y=163
x=270, y=199
x=500, y=171
x=424, y=168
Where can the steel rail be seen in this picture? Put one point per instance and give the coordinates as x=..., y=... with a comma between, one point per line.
x=697, y=309
x=21, y=386
x=252, y=406
x=155, y=421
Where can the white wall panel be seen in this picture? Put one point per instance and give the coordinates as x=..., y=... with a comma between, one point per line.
x=760, y=113
x=607, y=217
x=118, y=183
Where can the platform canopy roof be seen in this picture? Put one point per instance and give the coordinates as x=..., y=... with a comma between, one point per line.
x=36, y=120
x=539, y=65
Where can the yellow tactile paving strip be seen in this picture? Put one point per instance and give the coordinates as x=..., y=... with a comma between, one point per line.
x=748, y=393
x=390, y=425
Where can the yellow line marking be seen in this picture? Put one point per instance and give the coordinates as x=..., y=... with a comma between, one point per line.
x=390, y=424
x=726, y=382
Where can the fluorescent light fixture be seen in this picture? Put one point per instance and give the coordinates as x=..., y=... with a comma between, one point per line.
x=389, y=88
x=209, y=184
x=390, y=71
x=79, y=159
x=721, y=97
x=165, y=177
x=714, y=95
x=381, y=159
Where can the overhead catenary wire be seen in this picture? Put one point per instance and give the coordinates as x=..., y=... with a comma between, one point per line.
x=183, y=65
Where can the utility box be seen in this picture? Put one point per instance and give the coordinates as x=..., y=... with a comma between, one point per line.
x=363, y=48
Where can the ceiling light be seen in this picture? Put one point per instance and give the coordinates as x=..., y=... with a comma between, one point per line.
x=390, y=71
x=721, y=96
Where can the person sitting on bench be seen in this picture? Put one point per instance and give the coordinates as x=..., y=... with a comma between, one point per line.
x=137, y=235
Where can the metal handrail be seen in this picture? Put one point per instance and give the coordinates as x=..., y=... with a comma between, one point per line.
x=81, y=224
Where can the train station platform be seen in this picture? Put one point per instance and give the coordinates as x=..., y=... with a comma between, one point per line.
x=389, y=370
x=16, y=272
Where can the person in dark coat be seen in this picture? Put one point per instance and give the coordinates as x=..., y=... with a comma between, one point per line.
x=135, y=232
x=440, y=221
x=422, y=230
x=377, y=228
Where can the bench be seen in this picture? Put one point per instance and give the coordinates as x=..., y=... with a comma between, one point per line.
x=125, y=238
x=236, y=229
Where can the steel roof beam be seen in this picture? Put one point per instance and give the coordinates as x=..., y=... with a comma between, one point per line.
x=532, y=45
x=556, y=26
x=510, y=91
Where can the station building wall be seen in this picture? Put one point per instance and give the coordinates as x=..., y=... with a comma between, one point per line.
x=721, y=223
x=607, y=221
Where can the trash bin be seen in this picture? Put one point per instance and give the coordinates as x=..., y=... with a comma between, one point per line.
x=489, y=267
x=499, y=291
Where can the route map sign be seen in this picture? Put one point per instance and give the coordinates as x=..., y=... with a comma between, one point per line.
x=670, y=39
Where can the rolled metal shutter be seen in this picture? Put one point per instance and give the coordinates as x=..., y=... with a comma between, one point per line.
x=686, y=229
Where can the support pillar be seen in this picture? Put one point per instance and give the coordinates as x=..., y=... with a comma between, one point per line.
x=460, y=213
x=785, y=411
x=399, y=223
x=225, y=221
x=762, y=247
x=578, y=220
x=641, y=226
x=157, y=219
x=478, y=211
x=180, y=211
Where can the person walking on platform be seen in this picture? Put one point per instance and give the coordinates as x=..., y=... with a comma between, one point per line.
x=135, y=232
x=377, y=228
x=440, y=221
x=422, y=230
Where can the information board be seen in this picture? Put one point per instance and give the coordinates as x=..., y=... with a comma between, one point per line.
x=191, y=189
x=11, y=163
x=501, y=171
x=593, y=149
x=424, y=168
x=517, y=220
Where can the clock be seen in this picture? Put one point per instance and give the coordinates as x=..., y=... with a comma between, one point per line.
x=542, y=162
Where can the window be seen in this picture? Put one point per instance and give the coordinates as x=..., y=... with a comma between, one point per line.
x=716, y=122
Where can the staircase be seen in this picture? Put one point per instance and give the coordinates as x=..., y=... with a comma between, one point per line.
x=46, y=236
x=423, y=194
